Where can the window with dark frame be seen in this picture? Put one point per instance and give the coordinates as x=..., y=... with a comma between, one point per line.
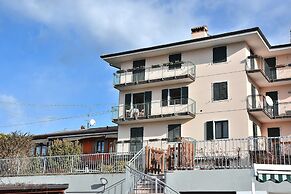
x=100, y=146
x=216, y=130
x=219, y=54
x=220, y=91
x=176, y=96
x=174, y=132
x=221, y=129
x=175, y=61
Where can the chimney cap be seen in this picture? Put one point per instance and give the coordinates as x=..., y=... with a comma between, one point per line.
x=199, y=29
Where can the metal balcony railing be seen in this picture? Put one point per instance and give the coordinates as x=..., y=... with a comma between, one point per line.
x=66, y=164
x=242, y=153
x=155, y=72
x=154, y=109
x=280, y=72
x=274, y=109
x=214, y=154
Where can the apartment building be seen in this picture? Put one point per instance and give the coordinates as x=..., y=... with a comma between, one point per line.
x=230, y=85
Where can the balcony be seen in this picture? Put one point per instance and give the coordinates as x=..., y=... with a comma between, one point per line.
x=188, y=153
x=265, y=76
x=185, y=154
x=155, y=111
x=266, y=111
x=156, y=75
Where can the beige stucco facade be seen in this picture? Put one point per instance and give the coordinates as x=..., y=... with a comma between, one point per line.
x=234, y=109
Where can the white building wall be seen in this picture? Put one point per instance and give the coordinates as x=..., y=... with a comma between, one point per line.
x=233, y=109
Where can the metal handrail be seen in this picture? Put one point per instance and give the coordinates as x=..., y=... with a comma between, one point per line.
x=114, y=186
x=155, y=107
x=154, y=72
x=259, y=102
x=258, y=63
x=152, y=179
x=132, y=171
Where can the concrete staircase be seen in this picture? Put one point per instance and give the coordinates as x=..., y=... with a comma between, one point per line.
x=138, y=182
x=146, y=186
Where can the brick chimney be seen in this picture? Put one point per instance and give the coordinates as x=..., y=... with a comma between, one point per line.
x=199, y=32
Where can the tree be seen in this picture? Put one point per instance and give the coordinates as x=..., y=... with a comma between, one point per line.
x=64, y=147
x=15, y=144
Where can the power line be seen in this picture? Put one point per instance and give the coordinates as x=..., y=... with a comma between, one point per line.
x=55, y=105
x=56, y=119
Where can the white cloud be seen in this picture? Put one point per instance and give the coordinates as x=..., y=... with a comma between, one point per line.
x=137, y=23
x=11, y=108
x=143, y=23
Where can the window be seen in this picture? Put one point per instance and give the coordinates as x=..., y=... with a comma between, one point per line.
x=136, y=139
x=274, y=132
x=220, y=91
x=175, y=96
x=40, y=150
x=175, y=61
x=44, y=150
x=138, y=73
x=219, y=54
x=100, y=146
x=139, y=102
x=174, y=132
x=219, y=128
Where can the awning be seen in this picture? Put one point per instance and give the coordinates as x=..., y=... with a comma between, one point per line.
x=276, y=178
x=272, y=172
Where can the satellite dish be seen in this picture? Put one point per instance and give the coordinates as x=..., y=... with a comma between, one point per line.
x=269, y=101
x=92, y=122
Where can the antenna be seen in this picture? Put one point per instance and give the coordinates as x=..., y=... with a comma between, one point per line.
x=91, y=123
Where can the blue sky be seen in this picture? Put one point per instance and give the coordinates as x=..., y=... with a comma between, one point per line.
x=49, y=50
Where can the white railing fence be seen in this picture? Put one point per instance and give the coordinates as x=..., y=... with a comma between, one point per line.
x=242, y=153
x=67, y=164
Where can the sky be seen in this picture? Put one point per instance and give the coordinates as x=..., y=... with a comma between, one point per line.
x=51, y=74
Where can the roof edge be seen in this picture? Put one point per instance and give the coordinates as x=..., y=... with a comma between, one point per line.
x=186, y=42
x=254, y=29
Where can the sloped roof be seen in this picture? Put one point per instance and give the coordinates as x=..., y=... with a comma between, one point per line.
x=103, y=130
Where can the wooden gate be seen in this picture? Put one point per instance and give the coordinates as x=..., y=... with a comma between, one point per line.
x=179, y=155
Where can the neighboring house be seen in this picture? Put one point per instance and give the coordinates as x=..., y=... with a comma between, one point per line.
x=93, y=140
x=230, y=85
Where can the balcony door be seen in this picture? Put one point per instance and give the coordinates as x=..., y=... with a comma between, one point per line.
x=274, y=144
x=138, y=73
x=254, y=101
x=274, y=96
x=141, y=104
x=270, y=68
x=136, y=139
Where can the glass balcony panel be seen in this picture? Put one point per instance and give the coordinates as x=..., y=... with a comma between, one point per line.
x=154, y=108
x=155, y=72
